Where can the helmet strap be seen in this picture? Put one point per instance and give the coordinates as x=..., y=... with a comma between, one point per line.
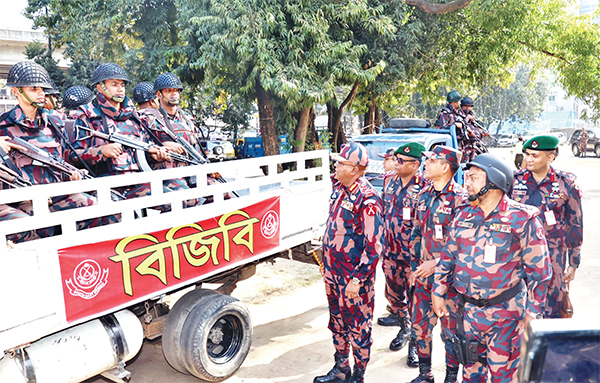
x=51, y=97
x=170, y=102
x=37, y=105
x=482, y=192
x=114, y=98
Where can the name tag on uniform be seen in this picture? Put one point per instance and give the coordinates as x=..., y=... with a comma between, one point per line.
x=444, y=210
x=347, y=205
x=466, y=225
x=520, y=192
x=489, y=254
x=422, y=208
x=439, y=232
x=550, y=218
x=406, y=214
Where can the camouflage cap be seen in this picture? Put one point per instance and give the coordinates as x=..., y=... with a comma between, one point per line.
x=541, y=143
x=443, y=152
x=387, y=153
x=352, y=152
x=412, y=149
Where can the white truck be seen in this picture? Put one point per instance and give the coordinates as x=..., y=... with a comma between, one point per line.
x=80, y=303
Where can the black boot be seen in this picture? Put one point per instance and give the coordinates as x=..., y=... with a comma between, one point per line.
x=403, y=335
x=358, y=376
x=425, y=374
x=412, y=360
x=390, y=320
x=451, y=374
x=337, y=374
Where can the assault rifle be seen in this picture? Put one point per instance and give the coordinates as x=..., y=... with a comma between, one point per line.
x=41, y=157
x=133, y=143
x=11, y=178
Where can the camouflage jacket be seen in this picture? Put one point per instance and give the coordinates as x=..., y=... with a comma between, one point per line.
x=559, y=201
x=352, y=243
x=485, y=256
x=126, y=121
x=435, y=212
x=450, y=116
x=400, y=203
x=40, y=133
x=182, y=125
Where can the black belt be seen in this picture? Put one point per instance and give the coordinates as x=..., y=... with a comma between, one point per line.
x=487, y=302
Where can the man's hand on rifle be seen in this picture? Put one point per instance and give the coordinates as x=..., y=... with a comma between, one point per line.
x=159, y=154
x=112, y=150
x=7, y=146
x=174, y=147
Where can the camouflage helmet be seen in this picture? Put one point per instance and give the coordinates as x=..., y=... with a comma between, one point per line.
x=167, y=80
x=28, y=73
x=453, y=96
x=108, y=71
x=143, y=92
x=466, y=101
x=499, y=173
x=76, y=96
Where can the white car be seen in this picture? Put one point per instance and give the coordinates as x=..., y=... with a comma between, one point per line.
x=507, y=140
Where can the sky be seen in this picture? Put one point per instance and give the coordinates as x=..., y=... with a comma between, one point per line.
x=12, y=12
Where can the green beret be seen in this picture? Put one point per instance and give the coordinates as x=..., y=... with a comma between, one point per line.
x=541, y=143
x=412, y=149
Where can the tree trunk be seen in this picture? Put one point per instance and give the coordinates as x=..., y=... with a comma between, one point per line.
x=301, y=129
x=335, y=118
x=312, y=136
x=267, y=122
x=370, y=118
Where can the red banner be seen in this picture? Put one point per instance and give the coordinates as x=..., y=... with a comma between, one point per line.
x=101, y=276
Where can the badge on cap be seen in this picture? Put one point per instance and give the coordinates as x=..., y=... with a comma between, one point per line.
x=534, y=144
x=407, y=149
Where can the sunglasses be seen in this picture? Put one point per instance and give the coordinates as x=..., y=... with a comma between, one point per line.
x=402, y=161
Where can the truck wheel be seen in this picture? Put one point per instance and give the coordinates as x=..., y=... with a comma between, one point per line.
x=171, y=337
x=597, y=150
x=218, y=150
x=217, y=338
x=576, y=150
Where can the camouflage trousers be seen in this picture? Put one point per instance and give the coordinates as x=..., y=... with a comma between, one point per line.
x=556, y=292
x=425, y=319
x=397, y=271
x=350, y=321
x=142, y=190
x=499, y=335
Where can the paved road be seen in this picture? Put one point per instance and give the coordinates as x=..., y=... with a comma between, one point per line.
x=289, y=312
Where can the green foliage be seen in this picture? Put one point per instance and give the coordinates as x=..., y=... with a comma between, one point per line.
x=37, y=52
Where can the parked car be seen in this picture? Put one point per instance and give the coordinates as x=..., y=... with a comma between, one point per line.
x=507, y=140
x=593, y=143
x=216, y=150
x=562, y=137
x=379, y=143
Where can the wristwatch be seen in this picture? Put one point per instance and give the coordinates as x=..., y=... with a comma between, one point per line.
x=355, y=281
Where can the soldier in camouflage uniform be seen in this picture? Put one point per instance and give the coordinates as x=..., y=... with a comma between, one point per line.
x=558, y=197
x=474, y=132
x=76, y=96
x=452, y=114
x=145, y=97
x=41, y=127
x=352, y=244
x=114, y=112
x=435, y=211
x=494, y=245
x=401, y=192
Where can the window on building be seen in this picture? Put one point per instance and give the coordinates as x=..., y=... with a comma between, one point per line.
x=551, y=98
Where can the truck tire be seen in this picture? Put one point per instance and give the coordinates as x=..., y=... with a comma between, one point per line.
x=217, y=338
x=597, y=150
x=576, y=150
x=171, y=337
x=218, y=150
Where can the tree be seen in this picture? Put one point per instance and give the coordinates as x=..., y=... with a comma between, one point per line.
x=37, y=52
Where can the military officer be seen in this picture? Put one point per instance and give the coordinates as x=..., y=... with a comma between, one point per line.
x=401, y=193
x=352, y=244
x=558, y=197
x=435, y=211
x=494, y=245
